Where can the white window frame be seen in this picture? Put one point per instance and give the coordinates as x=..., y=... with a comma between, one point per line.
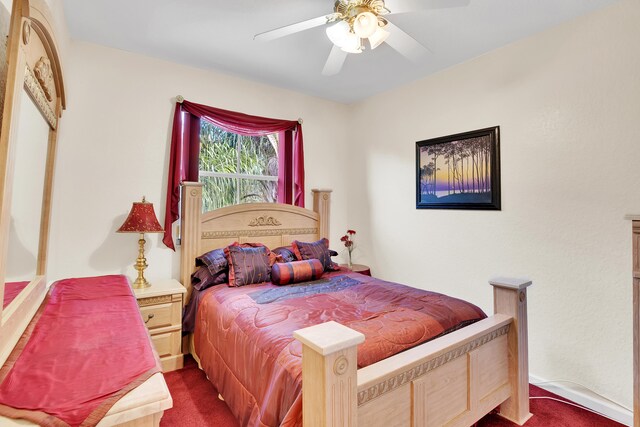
x=239, y=175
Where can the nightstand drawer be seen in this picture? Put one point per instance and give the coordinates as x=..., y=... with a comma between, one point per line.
x=160, y=315
x=167, y=344
x=161, y=309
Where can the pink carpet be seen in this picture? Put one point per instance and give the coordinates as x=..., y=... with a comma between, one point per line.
x=196, y=403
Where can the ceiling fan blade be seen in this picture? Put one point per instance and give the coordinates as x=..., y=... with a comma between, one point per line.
x=293, y=28
x=334, y=61
x=403, y=6
x=405, y=44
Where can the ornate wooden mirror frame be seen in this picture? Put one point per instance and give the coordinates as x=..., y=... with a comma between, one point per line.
x=34, y=70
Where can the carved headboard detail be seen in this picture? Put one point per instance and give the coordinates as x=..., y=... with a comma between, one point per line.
x=264, y=221
x=272, y=224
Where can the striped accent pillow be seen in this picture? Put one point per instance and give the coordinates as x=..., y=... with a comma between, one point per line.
x=283, y=273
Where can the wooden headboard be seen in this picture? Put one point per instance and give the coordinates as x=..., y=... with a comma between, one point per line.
x=272, y=224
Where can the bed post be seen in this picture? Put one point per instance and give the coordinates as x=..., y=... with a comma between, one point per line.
x=322, y=205
x=510, y=298
x=190, y=232
x=329, y=375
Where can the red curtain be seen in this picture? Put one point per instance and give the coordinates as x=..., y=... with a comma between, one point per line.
x=185, y=149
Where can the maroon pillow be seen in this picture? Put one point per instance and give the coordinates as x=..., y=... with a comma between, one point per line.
x=285, y=254
x=248, y=263
x=315, y=250
x=283, y=273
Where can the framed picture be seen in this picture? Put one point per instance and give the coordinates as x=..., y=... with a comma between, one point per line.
x=459, y=171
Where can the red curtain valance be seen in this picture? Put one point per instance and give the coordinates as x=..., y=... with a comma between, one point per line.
x=185, y=150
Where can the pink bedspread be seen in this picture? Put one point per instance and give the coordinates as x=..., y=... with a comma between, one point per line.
x=11, y=290
x=86, y=348
x=243, y=336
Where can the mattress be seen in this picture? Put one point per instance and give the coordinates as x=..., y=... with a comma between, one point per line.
x=243, y=336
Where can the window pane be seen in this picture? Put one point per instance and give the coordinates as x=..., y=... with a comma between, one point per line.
x=217, y=192
x=218, y=149
x=259, y=155
x=256, y=191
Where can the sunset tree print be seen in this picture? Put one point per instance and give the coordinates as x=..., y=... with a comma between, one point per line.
x=458, y=170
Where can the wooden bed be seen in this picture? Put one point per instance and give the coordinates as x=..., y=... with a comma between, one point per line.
x=453, y=380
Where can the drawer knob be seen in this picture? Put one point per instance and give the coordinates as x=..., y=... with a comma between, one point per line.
x=149, y=317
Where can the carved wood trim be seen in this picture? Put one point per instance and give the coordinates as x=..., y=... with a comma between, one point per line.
x=221, y=234
x=154, y=300
x=322, y=205
x=44, y=74
x=191, y=211
x=26, y=32
x=264, y=221
x=410, y=375
x=38, y=95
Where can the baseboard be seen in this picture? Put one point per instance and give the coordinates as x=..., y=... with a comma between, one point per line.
x=586, y=398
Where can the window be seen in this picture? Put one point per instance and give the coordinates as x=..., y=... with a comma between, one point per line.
x=231, y=168
x=236, y=169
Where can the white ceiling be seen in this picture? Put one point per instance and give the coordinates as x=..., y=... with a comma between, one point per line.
x=218, y=35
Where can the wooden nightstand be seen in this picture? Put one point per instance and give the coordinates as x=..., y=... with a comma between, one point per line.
x=358, y=268
x=161, y=308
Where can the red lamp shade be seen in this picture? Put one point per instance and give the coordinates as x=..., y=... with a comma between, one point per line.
x=141, y=219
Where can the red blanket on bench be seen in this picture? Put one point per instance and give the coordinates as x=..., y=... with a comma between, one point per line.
x=11, y=290
x=86, y=348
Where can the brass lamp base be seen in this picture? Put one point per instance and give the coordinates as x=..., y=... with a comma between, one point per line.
x=141, y=283
x=140, y=265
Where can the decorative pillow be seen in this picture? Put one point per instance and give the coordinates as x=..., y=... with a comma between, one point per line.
x=283, y=273
x=214, y=260
x=216, y=264
x=202, y=278
x=285, y=254
x=315, y=250
x=248, y=263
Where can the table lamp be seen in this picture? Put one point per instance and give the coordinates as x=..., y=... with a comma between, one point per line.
x=142, y=219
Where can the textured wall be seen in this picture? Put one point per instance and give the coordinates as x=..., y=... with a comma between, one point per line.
x=567, y=102
x=114, y=148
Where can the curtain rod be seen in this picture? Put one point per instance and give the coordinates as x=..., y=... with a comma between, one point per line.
x=180, y=98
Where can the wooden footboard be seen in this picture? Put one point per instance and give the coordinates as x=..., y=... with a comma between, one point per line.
x=451, y=381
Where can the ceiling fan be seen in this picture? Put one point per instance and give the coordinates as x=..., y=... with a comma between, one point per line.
x=354, y=21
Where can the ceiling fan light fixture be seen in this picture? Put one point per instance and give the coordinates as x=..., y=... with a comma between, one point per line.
x=339, y=33
x=365, y=24
x=353, y=45
x=377, y=38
